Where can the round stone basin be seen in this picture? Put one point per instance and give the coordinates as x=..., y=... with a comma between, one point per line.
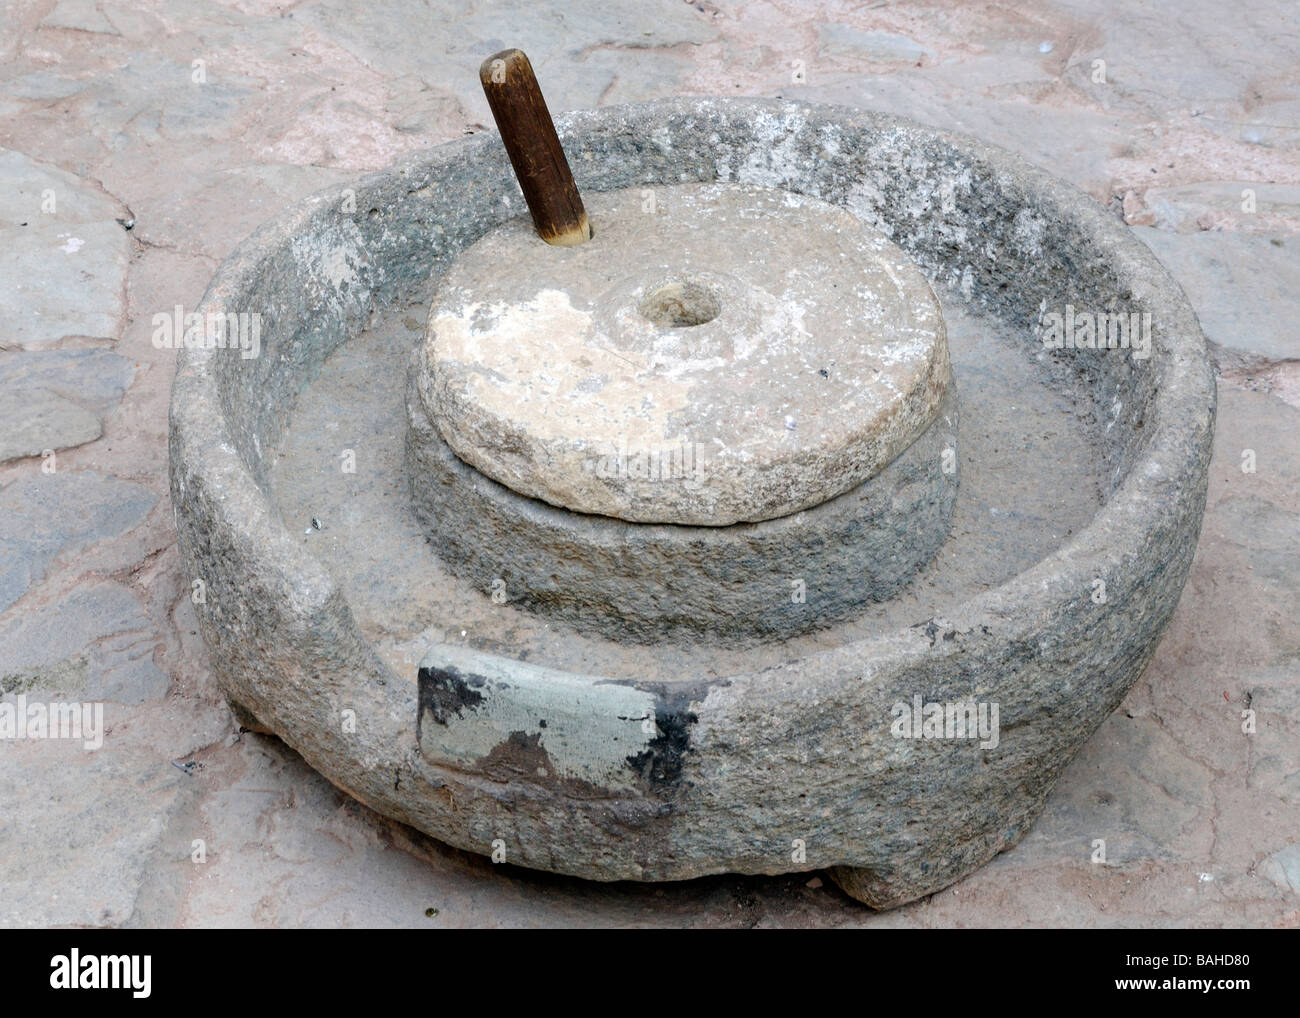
x=457, y=706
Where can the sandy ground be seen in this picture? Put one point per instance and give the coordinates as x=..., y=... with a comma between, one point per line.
x=141, y=140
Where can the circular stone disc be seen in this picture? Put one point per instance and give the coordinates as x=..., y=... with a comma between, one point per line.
x=714, y=354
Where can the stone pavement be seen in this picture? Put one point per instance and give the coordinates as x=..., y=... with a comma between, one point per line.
x=141, y=140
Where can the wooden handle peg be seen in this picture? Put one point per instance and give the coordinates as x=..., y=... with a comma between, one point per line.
x=534, y=148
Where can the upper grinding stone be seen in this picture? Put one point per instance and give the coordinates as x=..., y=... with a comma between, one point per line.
x=715, y=354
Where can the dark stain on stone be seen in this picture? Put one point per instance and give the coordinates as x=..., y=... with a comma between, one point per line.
x=931, y=629
x=520, y=756
x=660, y=763
x=446, y=692
x=523, y=758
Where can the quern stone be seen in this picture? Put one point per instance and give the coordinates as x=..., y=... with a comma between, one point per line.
x=736, y=762
x=715, y=354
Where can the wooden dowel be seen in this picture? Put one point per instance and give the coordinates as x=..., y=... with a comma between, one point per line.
x=534, y=149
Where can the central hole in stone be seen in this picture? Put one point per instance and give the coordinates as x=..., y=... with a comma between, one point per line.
x=681, y=304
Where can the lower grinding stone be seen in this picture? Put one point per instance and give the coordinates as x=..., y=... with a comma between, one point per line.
x=641, y=582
